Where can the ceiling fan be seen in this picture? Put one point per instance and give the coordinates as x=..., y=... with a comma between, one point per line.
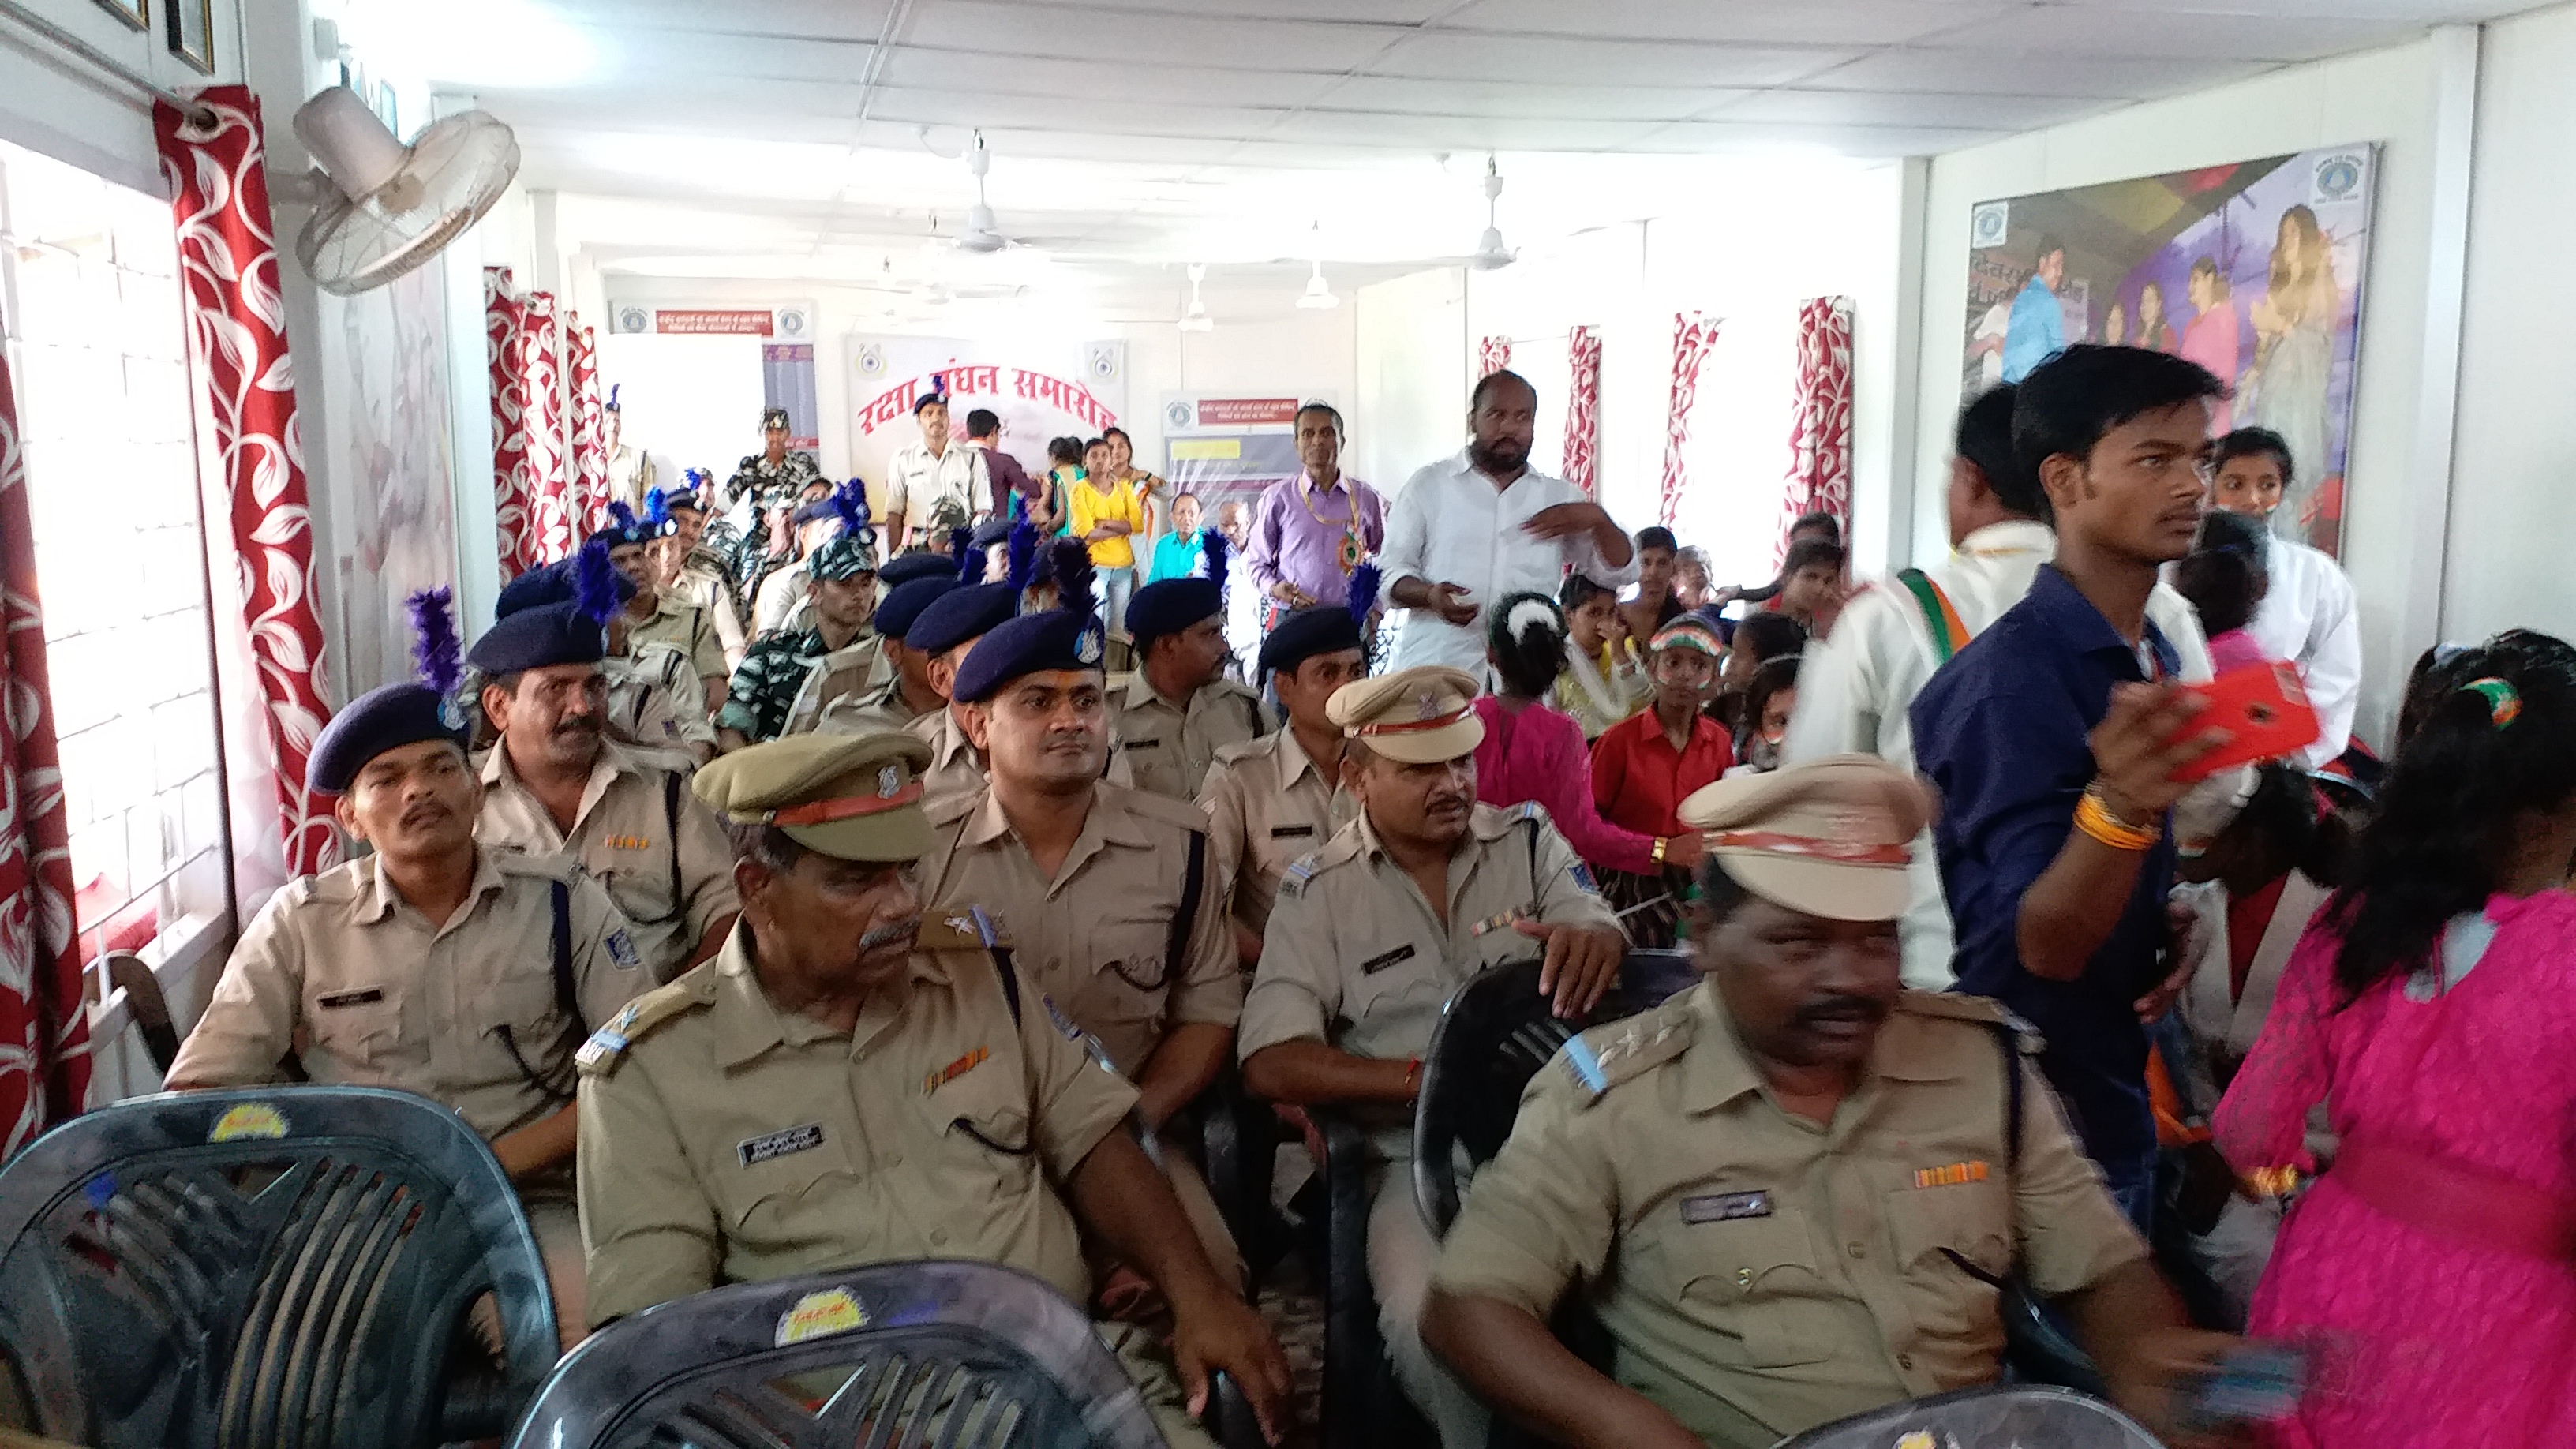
x=982, y=235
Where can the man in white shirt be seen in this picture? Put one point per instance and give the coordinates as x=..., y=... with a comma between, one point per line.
x=2308, y=616
x=923, y=476
x=1469, y=530
x=1856, y=686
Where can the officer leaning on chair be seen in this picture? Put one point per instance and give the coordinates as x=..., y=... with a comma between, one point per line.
x=1785, y=1191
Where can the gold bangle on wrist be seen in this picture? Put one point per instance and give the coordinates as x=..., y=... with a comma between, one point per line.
x=1662, y=844
x=2096, y=820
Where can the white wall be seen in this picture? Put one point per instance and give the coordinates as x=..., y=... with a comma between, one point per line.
x=62, y=106
x=2390, y=96
x=2514, y=464
x=1410, y=405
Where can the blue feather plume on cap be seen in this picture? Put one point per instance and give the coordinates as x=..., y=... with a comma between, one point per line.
x=1218, y=550
x=850, y=501
x=961, y=539
x=1364, y=585
x=1071, y=560
x=970, y=567
x=622, y=516
x=657, y=509
x=1023, y=555
x=594, y=581
x=437, y=654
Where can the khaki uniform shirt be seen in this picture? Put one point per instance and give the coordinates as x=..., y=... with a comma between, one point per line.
x=1098, y=938
x=1762, y=1273
x=657, y=703
x=684, y=627
x=630, y=476
x=781, y=595
x=661, y=854
x=878, y=709
x=845, y=673
x=1356, y=958
x=340, y=970
x=704, y=581
x=1167, y=748
x=732, y=1142
x=1267, y=804
x=956, y=770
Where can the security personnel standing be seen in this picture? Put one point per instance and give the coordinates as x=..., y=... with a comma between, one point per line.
x=1280, y=797
x=1374, y=931
x=776, y=475
x=556, y=787
x=944, y=634
x=847, y=1083
x=867, y=667
x=1790, y=1190
x=907, y=693
x=696, y=568
x=1179, y=709
x=843, y=569
x=464, y=974
x=1118, y=913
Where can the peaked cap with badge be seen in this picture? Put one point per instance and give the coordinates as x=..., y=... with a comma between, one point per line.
x=1830, y=837
x=851, y=797
x=1420, y=716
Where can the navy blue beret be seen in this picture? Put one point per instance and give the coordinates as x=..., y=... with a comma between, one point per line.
x=535, y=638
x=376, y=721
x=961, y=614
x=540, y=587
x=904, y=568
x=905, y=601
x=1170, y=606
x=1300, y=636
x=1029, y=644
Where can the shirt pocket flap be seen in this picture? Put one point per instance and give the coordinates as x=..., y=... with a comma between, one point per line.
x=984, y=1108
x=352, y=1020
x=778, y=1171
x=1972, y=1219
x=1755, y=1281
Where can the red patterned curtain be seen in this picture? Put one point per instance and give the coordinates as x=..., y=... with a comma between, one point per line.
x=1582, y=407
x=1693, y=336
x=44, y=1031
x=1492, y=356
x=589, y=429
x=514, y=493
x=237, y=339
x=542, y=340
x=1820, y=435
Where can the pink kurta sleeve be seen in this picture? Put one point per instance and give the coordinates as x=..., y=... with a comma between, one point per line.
x=1562, y=782
x=2262, y=1121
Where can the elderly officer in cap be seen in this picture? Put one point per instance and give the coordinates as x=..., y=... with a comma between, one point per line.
x=905, y=694
x=1789, y=1192
x=432, y=965
x=1372, y=933
x=556, y=786
x=945, y=633
x=1279, y=797
x=1120, y=916
x=843, y=574
x=849, y=1083
x=694, y=564
x=1179, y=709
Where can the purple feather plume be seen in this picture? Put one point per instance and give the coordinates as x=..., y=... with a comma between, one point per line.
x=1364, y=582
x=1023, y=555
x=622, y=516
x=960, y=540
x=850, y=501
x=657, y=509
x=437, y=654
x=1218, y=551
x=1073, y=576
x=970, y=565
x=594, y=581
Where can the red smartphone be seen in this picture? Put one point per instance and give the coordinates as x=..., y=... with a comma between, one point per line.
x=2265, y=711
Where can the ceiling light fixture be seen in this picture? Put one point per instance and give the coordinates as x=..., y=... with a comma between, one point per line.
x=1318, y=296
x=982, y=233
x=1197, y=319
x=1491, y=254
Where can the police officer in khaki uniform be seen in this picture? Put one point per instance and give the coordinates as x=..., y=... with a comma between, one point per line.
x=1109, y=891
x=1280, y=797
x=556, y=786
x=905, y=694
x=1787, y=1190
x=695, y=571
x=847, y=1083
x=655, y=701
x=1374, y=931
x=653, y=615
x=1173, y=715
x=431, y=966
x=945, y=634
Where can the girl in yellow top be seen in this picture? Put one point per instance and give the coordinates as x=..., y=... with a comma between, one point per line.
x=1603, y=682
x=1107, y=516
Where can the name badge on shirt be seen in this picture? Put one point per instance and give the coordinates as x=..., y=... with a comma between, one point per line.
x=1376, y=964
x=1726, y=1207
x=358, y=996
x=1142, y=744
x=757, y=1150
x=1283, y=832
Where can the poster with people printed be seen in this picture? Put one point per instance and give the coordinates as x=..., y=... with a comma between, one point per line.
x=2253, y=269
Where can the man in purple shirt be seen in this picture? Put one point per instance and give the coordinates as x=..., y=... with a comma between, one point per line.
x=1310, y=531
x=984, y=433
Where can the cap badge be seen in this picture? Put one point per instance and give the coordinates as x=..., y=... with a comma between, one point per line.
x=1086, y=646
x=1426, y=705
x=889, y=780
x=449, y=715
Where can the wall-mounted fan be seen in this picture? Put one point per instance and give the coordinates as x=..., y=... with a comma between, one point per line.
x=382, y=208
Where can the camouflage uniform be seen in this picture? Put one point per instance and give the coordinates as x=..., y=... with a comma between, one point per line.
x=764, y=687
x=772, y=485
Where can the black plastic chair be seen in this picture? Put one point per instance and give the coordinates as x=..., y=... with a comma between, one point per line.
x=1990, y=1418
x=956, y=1355
x=281, y=1267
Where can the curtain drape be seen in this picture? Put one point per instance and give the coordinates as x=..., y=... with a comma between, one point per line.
x=228, y=271
x=1820, y=433
x=555, y=511
x=589, y=428
x=1582, y=407
x=1493, y=355
x=44, y=1032
x=1693, y=336
x=514, y=493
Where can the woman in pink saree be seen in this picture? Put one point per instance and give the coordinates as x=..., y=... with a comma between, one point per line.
x=2431, y=1266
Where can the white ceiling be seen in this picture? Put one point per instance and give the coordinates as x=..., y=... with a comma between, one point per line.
x=820, y=138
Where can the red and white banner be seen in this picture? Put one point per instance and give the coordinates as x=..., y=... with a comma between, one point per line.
x=1492, y=356
x=589, y=430
x=1693, y=336
x=237, y=337
x=1244, y=412
x=1820, y=433
x=711, y=323
x=1037, y=398
x=1583, y=408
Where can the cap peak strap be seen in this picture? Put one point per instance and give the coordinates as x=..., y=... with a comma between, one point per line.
x=1411, y=726
x=1839, y=852
x=824, y=812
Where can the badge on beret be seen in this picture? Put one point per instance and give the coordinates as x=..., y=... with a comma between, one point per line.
x=889, y=780
x=1086, y=646
x=449, y=715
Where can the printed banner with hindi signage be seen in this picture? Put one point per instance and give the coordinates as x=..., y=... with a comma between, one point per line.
x=1035, y=398
x=793, y=322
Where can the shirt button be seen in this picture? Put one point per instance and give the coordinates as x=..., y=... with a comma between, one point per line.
x=1905, y=1361
x=1858, y=1251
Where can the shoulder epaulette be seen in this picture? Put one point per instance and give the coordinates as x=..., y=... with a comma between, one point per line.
x=544, y=867
x=969, y=928
x=1602, y=1058
x=1292, y=881
x=639, y=1018
x=1164, y=810
x=1976, y=1010
x=949, y=809
x=1246, y=749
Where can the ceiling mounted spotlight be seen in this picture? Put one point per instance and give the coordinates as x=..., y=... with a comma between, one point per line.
x=1491, y=254
x=1197, y=319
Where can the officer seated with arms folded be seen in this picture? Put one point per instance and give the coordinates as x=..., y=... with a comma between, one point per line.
x=1786, y=1191
x=847, y=1083
x=1373, y=932
x=432, y=966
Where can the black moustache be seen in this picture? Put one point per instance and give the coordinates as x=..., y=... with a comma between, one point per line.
x=1842, y=1008
x=887, y=935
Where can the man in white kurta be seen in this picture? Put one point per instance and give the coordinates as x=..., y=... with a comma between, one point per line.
x=1470, y=530
x=2308, y=615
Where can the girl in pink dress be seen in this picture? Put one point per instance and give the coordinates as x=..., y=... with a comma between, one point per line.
x=2431, y=1008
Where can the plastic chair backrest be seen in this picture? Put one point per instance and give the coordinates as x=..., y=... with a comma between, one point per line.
x=1494, y=1034
x=1989, y=1418
x=893, y=1356
x=276, y=1268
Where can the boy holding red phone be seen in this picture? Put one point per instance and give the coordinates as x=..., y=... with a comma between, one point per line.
x=2061, y=742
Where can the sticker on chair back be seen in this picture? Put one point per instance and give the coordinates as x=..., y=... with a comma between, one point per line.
x=819, y=1315
x=246, y=1120
x=1726, y=1207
